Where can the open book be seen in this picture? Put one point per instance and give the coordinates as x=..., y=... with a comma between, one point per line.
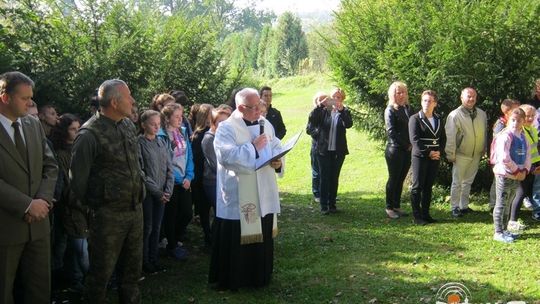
x=284, y=150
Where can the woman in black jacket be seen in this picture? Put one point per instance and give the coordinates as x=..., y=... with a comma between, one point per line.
x=427, y=135
x=328, y=123
x=398, y=149
x=200, y=200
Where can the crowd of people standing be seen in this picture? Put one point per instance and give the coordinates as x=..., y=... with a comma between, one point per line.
x=463, y=141
x=91, y=202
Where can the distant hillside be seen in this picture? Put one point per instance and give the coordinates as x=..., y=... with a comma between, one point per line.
x=311, y=19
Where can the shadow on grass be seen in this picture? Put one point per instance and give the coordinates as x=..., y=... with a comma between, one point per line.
x=355, y=256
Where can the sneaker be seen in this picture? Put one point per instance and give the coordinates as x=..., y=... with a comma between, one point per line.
x=466, y=210
x=163, y=243
x=516, y=226
x=392, y=214
x=510, y=234
x=178, y=253
x=527, y=203
x=400, y=212
x=536, y=216
x=149, y=269
x=325, y=211
x=500, y=237
x=333, y=210
x=317, y=200
x=456, y=212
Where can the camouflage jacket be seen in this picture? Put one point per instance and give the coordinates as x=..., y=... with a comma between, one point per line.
x=105, y=169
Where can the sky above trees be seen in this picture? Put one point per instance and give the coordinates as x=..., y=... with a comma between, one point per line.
x=302, y=6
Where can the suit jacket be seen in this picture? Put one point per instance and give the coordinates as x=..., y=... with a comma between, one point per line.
x=319, y=123
x=396, y=122
x=20, y=183
x=424, y=137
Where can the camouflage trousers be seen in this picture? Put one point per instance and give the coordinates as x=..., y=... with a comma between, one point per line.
x=116, y=239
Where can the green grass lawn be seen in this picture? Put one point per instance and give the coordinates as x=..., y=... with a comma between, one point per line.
x=358, y=255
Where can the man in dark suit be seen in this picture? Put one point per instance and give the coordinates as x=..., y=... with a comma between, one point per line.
x=28, y=173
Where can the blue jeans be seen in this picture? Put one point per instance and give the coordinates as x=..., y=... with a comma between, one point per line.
x=152, y=215
x=505, y=189
x=78, y=261
x=535, y=201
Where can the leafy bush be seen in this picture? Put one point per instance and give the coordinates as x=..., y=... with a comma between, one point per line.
x=444, y=45
x=69, y=50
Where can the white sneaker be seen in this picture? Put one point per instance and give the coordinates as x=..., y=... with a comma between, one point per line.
x=163, y=243
x=516, y=226
x=392, y=214
x=527, y=203
x=500, y=237
x=511, y=235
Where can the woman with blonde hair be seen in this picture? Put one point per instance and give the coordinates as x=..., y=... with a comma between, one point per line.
x=201, y=202
x=157, y=166
x=178, y=211
x=210, y=163
x=398, y=148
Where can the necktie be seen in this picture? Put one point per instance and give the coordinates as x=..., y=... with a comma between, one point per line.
x=19, y=143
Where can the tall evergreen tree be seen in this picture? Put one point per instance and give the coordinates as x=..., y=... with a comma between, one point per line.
x=264, y=44
x=290, y=45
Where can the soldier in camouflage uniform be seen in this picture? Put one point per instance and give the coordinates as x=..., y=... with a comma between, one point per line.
x=106, y=176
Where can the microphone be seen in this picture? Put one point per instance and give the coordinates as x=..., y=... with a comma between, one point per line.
x=261, y=126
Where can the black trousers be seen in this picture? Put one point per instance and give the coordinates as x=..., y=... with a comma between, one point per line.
x=329, y=169
x=178, y=214
x=398, y=162
x=203, y=205
x=233, y=265
x=424, y=172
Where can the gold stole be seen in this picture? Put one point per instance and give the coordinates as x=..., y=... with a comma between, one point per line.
x=248, y=193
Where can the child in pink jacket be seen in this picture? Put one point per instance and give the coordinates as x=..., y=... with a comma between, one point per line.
x=512, y=161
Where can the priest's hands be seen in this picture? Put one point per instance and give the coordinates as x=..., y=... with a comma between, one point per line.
x=276, y=164
x=260, y=142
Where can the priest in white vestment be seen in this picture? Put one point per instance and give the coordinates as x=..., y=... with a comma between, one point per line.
x=247, y=198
